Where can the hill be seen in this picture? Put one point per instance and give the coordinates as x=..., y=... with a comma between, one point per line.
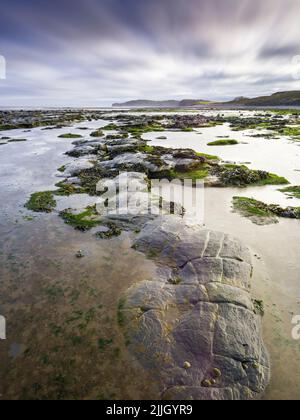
x=142, y=103
x=291, y=98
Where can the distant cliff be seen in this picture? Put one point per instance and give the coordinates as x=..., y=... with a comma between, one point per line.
x=290, y=98
x=141, y=103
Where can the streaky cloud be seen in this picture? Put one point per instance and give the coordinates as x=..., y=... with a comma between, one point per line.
x=96, y=52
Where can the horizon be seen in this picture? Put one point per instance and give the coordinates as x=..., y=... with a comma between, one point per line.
x=95, y=53
x=114, y=105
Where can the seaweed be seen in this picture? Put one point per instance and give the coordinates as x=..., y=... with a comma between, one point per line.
x=84, y=221
x=42, y=202
x=224, y=142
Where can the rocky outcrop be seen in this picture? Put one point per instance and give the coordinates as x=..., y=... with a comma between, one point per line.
x=193, y=326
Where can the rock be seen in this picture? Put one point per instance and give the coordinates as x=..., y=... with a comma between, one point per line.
x=77, y=166
x=217, y=373
x=187, y=365
x=206, y=383
x=84, y=148
x=193, y=326
x=130, y=217
x=97, y=133
x=290, y=212
x=186, y=121
x=130, y=161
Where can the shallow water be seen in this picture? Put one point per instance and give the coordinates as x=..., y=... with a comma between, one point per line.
x=63, y=336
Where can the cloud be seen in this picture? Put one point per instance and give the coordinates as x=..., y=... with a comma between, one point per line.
x=286, y=51
x=95, y=52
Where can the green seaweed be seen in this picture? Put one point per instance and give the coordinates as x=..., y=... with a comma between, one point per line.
x=89, y=179
x=110, y=127
x=284, y=111
x=62, y=168
x=249, y=207
x=196, y=174
x=223, y=142
x=241, y=176
x=146, y=149
x=42, y=202
x=54, y=292
x=70, y=136
x=273, y=179
x=292, y=191
x=188, y=130
x=65, y=189
x=140, y=129
x=84, y=221
x=291, y=131
x=104, y=343
x=120, y=315
x=207, y=157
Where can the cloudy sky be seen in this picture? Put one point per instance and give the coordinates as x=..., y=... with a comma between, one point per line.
x=95, y=52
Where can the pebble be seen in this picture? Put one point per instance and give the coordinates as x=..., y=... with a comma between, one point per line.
x=187, y=365
x=217, y=373
x=80, y=254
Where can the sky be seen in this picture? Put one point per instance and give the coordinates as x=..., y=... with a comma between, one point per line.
x=96, y=52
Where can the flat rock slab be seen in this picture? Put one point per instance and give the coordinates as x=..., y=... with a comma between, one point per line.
x=74, y=168
x=193, y=327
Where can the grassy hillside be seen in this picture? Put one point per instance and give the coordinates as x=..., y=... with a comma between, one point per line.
x=290, y=99
x=277, y=99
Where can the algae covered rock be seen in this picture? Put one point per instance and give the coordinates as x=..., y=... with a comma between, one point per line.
x=193, y=326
